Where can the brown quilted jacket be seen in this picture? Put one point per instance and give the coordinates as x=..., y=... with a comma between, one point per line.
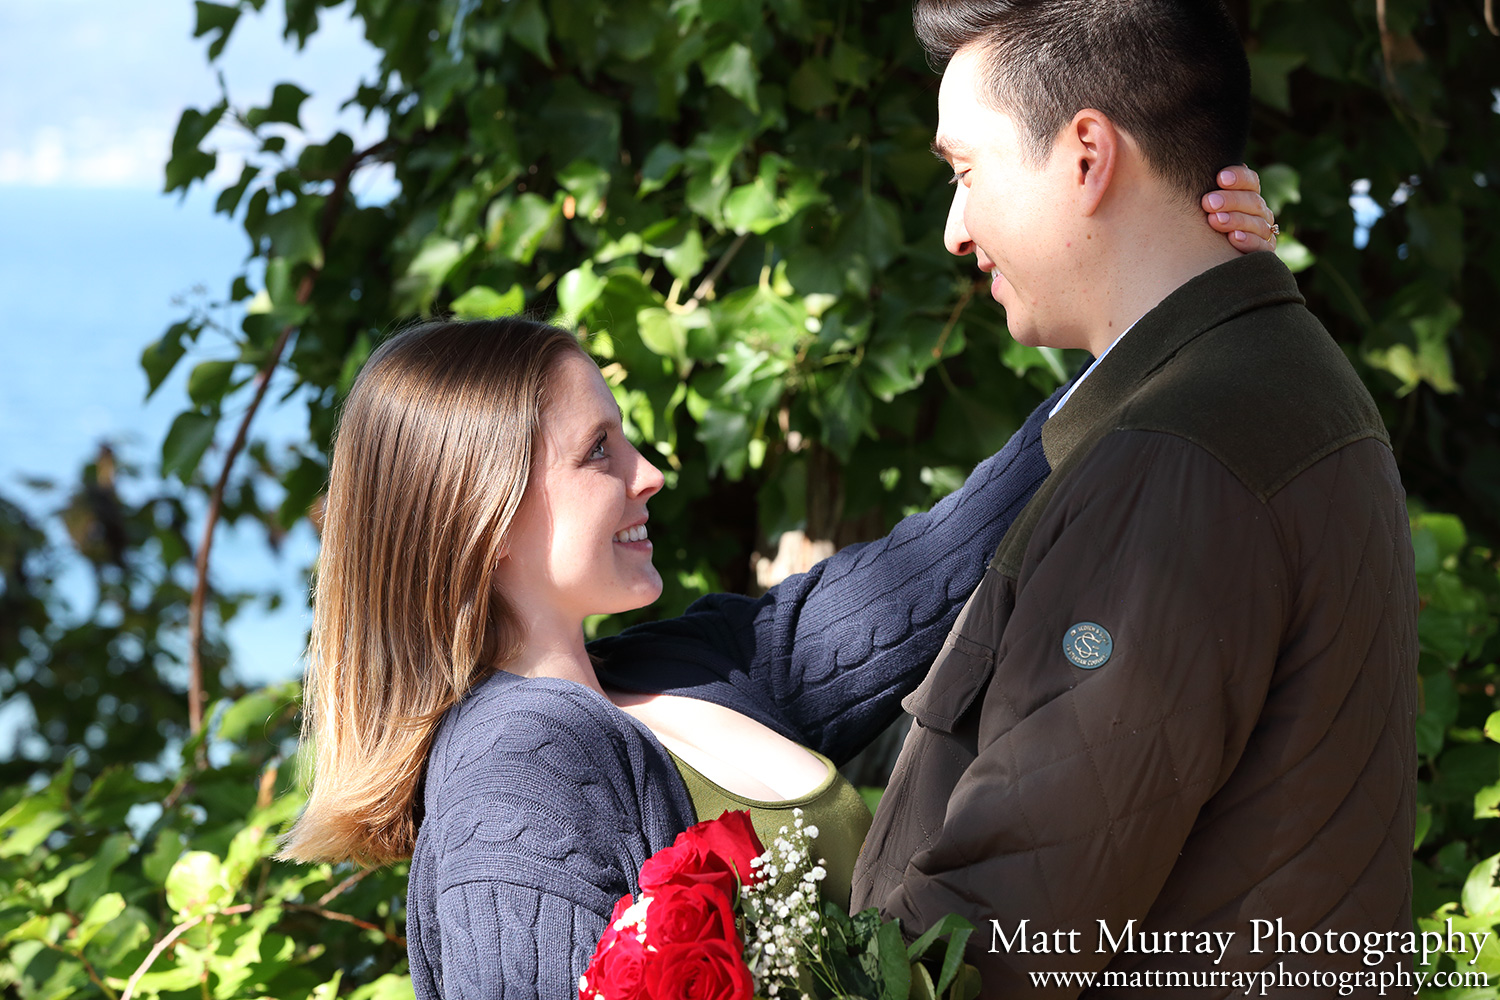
x=1223, y=504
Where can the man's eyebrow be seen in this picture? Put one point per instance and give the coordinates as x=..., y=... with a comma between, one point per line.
x=945, y=148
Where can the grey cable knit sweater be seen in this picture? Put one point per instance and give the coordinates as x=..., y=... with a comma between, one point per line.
x=541, y=799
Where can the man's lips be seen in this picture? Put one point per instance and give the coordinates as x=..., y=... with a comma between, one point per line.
x=996, y=279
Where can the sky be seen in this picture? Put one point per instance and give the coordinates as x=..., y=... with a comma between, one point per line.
x=95, y=261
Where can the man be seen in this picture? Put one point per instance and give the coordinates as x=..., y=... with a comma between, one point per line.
x=1171, y=732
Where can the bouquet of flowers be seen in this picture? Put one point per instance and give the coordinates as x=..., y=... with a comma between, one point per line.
x=711, y=924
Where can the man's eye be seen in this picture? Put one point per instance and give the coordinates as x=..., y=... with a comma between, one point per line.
x=958, y=175
x=597, y=451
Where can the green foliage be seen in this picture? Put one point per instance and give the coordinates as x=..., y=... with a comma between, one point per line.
x=169, y=887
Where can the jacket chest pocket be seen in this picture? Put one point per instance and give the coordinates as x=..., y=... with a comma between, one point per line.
x=963, y=669
x=960, y=673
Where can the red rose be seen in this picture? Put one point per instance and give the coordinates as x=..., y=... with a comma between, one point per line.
x=703, y=970
x=625, y=903
x=687, y=862
x=733, y=838
x=618, y=971
x=682, y=914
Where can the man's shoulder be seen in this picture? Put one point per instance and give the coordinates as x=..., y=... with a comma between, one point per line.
x=1267, y=393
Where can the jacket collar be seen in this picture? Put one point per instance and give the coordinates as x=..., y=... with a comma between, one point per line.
x=1218, y=295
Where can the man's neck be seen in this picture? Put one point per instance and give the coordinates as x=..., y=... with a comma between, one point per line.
x=1153, y=255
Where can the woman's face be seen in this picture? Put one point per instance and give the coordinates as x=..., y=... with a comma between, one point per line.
x=578, y=545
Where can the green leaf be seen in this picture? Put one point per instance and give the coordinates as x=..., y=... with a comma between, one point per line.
x=215, y=17
x=328, y=990
x=157, y=864
x=661, y=165
x=162, y=356
x=726, y=436
x=733, y=68
x=246, y=719
x=1481, y=897
x=1492, y=726
x=28, y=824
x=581, y=124
x=428, y=270
x=753, y=208
x=293, y=236
x=1424, y=825
x=844, y=406
x=229, y=198
x=387, y=987
x=1268, y=73
x=1437, y=233
x=483, y=302
x=687, y=258
x=588, y=183
x=528, y=26
x=302, y=484
x=90, y=884
x=811, y=87
x=579, y=289
x=524, y=225
x=895, y=970
x=872, y=230
x=189, y=437
x=1280, y=186
x=249, y=847
x=1440, y=710
x=663, y=333
x=1294, y=254
x=189, y=162
x=285, y=107
x=196, y=884
x=849, y=64
x=105, y=908
x=209, y=381
x=921, y=983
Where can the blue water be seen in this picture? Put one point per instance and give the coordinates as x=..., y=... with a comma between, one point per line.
x=87, y=280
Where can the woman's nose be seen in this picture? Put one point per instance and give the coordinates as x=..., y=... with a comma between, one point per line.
x=648, y=479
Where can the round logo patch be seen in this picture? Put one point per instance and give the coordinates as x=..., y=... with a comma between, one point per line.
x=1088, y=645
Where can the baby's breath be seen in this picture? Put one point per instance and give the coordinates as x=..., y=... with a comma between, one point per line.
x=778, y=942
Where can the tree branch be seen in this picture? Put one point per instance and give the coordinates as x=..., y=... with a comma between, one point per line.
x=346, y=919
x=166, y=943
x=331, y=209
x=707, y=287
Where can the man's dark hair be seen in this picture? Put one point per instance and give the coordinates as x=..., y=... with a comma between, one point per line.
x=1171, y=73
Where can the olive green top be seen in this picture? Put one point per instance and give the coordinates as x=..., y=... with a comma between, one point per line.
x=834, y=807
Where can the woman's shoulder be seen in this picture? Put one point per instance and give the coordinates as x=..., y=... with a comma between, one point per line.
x=541, y=719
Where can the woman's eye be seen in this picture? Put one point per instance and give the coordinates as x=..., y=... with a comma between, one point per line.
x=958, y=175
x=597, y=451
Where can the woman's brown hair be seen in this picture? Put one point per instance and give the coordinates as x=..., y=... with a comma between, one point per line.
x=430, y=462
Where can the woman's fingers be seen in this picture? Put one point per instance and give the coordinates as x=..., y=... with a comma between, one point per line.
x=1244, y=202
x=1249, y=243
x=1228, y=222
x=1239, y=178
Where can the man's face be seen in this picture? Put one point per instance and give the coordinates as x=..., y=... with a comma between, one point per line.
x=1013, y=217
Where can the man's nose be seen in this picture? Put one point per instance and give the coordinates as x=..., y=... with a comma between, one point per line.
x=955, y=234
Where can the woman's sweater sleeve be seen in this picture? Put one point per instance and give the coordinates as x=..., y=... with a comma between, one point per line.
x=825, y=656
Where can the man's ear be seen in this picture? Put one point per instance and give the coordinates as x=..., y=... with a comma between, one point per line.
x=1095, y=145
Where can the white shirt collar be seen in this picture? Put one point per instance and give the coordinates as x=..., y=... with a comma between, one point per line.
x=1074, y=387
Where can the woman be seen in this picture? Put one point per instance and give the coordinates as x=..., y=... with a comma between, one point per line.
x=483, y=502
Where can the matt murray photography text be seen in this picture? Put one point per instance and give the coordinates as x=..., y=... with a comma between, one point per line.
x=1265, y=936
